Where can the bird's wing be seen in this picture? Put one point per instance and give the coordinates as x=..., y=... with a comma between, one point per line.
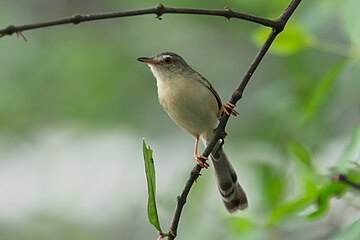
x=207, y=84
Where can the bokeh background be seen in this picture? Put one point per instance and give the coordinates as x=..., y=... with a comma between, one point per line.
x=75, y=105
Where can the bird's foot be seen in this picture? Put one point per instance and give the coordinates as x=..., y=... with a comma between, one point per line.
x=228, y=108
x=201, y=161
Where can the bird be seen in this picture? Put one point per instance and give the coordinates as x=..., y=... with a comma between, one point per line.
x=193, y=104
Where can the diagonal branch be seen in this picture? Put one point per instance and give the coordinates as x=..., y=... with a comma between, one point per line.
x=219, y=132
x=158, y=10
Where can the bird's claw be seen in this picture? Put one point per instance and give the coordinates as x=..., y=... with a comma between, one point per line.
x=201, y=161
x=229, y=109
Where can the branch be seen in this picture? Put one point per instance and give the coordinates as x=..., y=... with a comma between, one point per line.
x=181, y=200
x=344, y=179
x=219, y=132
x=158, y=10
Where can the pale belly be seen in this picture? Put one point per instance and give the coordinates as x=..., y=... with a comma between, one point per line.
x=193, y=110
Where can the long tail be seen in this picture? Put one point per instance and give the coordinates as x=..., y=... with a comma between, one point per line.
x=232, y=193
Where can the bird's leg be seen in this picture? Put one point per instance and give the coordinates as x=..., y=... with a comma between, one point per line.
x=228, y=108
x=199, y=159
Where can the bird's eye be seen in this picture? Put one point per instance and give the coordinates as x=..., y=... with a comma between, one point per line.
x=167, y=60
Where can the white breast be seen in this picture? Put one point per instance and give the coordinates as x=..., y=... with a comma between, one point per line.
x=188, y=102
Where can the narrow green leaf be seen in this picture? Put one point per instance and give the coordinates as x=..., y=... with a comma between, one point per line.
x=150, y=177
x=272, y=182
x=301, y=153
x=320, y=92
x=290, y=207
x=289, y=42
x=324, y=196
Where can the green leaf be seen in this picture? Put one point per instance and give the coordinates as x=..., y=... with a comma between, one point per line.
x=272, y=181
x=295, y=205
x=293, y=39
x=353, y=174
x=150, y=177
x=301, y=154
x=324, y=196
x=320, y=92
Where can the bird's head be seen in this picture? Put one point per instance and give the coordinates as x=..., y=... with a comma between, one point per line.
x=166, y=65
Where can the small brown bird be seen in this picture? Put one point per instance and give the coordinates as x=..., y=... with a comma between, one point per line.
x=193, y=104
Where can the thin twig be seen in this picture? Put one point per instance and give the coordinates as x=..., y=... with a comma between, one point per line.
x=181, y=200
x=158, y=10
x=219, y=132
x=344, y=179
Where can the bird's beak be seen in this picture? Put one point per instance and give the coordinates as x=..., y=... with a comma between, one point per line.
x=147, y=60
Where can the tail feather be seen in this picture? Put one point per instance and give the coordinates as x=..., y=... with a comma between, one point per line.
x=232, y=193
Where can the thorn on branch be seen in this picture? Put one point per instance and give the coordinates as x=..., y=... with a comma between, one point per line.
x=10, y=29
x=237, y=95
x=229, y=13
x=180, y=200
x=195, y=174
x=21, y=35
x=160, y=9
x=76, y=19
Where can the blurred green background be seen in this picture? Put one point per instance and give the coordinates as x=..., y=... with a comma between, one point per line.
x=75, y=104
